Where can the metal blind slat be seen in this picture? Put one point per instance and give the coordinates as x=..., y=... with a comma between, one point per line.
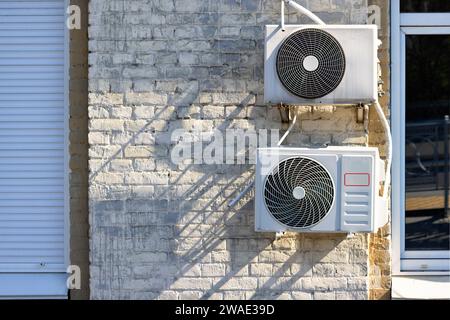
x=31, y=134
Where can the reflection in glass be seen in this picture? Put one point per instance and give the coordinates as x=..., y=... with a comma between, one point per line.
x=427, y=142
x=409, y=6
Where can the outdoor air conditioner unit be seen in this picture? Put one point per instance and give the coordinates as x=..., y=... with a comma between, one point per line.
x=320, y=64
x=333, y=189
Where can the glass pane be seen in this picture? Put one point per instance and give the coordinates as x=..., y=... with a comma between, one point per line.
x=424, y=6
x=427, y=142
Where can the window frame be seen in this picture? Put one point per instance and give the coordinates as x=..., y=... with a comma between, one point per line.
x=402, y=24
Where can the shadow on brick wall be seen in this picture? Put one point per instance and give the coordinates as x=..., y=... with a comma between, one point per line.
x=177, y=239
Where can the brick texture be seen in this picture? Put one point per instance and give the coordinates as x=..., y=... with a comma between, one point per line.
x=380, y=243
x=164, y=231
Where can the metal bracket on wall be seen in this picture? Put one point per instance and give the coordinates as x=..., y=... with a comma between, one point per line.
x=362, y=116
x=284, y=113
x=381, y=92
x=366, y=118
x=279, y=235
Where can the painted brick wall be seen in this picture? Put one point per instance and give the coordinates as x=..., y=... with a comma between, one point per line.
x=163, y=231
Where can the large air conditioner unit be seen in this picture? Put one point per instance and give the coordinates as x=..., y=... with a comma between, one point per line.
x=333, y=189
x=320, y=64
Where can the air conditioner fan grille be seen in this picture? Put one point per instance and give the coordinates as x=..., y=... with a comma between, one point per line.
x=299, y=192
x=310, y=63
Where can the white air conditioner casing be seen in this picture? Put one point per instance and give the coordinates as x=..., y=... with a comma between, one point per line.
x=356, y=174
x=359, y=76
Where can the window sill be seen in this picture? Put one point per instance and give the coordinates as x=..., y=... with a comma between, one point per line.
x=421, y=287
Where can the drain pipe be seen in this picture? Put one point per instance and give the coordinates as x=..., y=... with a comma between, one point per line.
x=388, y=135
x=302, y=10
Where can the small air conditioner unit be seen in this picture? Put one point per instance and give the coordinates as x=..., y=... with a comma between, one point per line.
x=333, y=189
x=320, y=64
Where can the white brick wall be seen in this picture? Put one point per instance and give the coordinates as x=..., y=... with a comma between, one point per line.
x=162, y=231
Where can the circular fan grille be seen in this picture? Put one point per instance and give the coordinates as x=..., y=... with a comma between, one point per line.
x=310, y=63
x=299, y=192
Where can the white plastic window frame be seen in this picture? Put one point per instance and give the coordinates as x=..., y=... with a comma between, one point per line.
x=408, y=262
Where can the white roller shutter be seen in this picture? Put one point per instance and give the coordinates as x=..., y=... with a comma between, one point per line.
x=32, y=141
